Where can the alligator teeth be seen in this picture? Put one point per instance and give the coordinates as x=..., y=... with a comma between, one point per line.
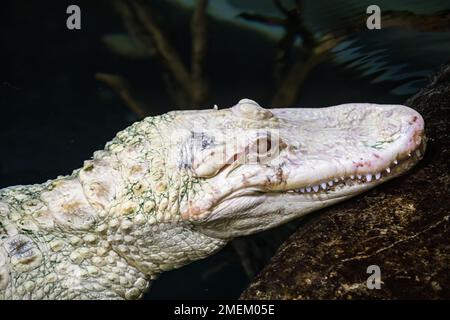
x=324, y=185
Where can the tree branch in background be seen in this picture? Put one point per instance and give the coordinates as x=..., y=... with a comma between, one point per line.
x=185, y=86
x=281, y=7
x=134, y=27
x=439, y=21
x=121, y=87
x=289, y=87
x=164, y=50
x=199, y=29
x=188, y=85
x=291, y=75
x=261, y=19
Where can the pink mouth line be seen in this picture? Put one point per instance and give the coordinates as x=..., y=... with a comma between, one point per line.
x=388, y=172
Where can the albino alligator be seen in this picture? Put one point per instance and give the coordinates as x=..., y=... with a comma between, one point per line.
x=175, y=188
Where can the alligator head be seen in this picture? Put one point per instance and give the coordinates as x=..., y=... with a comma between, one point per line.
x=257, y=168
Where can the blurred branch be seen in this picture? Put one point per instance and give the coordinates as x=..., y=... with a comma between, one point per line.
x=285, y=46
x=290, y=75
x=290, y=86
x=199, y=30
x=187, y=87
x=134, y=27
x=281, y=7
x=262, y=19
x=121, y=87
x=167, y=54
x=439, y=21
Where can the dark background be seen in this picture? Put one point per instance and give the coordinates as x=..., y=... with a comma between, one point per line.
x=54, y=114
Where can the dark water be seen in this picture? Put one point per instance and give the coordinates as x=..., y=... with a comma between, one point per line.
x=54, y=114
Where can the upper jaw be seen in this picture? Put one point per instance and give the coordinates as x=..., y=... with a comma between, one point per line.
x=345, y=184
x=317, y=182
x=378, y=143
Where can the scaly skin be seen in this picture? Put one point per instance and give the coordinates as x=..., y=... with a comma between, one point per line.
x=176, y=188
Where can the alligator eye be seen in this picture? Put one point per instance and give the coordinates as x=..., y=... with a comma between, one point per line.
x=263, y=145
x=263, y=149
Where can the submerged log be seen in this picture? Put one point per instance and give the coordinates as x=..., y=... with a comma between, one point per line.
x=401, y=226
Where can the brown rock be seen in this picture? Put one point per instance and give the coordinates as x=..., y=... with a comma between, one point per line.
x=402, y=226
